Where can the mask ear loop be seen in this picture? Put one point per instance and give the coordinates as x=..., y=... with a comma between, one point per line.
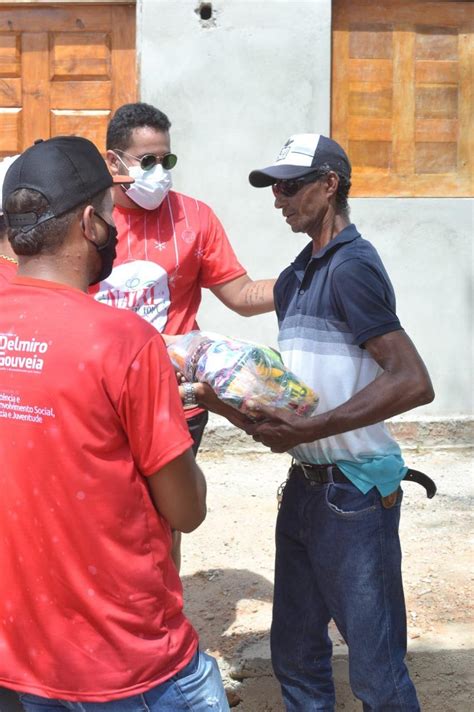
x=124, y=187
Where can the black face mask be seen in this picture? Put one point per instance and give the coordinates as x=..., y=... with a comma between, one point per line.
x=106, y=251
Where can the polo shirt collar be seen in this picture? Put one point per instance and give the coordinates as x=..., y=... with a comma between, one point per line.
x=348, y=234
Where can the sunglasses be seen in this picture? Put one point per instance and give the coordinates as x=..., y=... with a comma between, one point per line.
x=149, y=160
x=289, y=188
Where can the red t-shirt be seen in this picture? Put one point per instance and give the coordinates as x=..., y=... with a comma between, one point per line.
x=7, y=270
x=164, y=258
x=90, y=601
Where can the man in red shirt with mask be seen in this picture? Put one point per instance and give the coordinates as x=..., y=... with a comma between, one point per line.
x=97, y=465
x=170, y=246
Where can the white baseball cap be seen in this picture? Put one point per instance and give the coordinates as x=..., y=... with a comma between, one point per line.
x=300, y=155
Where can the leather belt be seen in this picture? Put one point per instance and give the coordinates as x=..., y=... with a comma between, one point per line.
x=322, y=474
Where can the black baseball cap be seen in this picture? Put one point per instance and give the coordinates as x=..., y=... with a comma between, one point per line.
x=66, y=170
x=300, y=155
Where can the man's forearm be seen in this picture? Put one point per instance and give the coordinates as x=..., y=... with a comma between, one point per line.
x=257, y=297
x=246, y=296
x=381, y=399
x=403, y=384
x=384, y=398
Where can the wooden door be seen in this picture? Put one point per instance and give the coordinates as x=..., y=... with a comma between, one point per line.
x=64, y=69
x=402, y=95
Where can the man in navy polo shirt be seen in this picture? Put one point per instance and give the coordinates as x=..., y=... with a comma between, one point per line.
x=338, y=551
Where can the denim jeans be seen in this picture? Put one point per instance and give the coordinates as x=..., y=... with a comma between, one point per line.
x=9, y=701
x=338, y=556
x=196, y=688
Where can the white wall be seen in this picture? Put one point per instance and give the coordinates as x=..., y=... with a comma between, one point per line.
x=426, y=245
x=235, y=88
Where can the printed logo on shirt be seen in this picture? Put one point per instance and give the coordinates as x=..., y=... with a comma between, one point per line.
x=13, y=407
x=21, y=354
x=139, y=286
x=188, y=236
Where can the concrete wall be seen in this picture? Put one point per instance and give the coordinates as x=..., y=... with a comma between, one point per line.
x=235, y=88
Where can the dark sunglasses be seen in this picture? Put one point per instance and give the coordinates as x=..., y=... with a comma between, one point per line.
x=149, y=160
x=289, y=188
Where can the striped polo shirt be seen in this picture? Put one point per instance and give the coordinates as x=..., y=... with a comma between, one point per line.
x=328, y=305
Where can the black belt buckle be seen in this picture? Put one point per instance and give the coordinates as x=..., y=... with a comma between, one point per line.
x=315, y=473
x=312, y=474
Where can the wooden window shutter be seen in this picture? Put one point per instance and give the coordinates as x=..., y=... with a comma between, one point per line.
x=402, y=95
x=64, y=69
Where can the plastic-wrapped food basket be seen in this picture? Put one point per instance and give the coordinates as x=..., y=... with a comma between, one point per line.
x=239, y=371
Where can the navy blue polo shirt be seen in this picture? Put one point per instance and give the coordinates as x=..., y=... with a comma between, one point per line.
x=328, y=305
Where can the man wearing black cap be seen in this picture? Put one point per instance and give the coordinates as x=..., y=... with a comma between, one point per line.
x=338, y=551
x=97, y=465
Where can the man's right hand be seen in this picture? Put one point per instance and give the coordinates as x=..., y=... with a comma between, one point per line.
x=206, y=398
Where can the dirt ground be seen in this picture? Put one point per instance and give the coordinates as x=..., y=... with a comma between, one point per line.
x=227, y=572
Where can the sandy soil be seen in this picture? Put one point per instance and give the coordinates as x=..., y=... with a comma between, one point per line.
x=228, y=569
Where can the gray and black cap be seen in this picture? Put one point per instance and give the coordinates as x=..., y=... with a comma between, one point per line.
x=300, y=155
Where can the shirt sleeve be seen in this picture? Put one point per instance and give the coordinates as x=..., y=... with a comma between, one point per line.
x=151, y=411
x=364, y=295
x=219, y=262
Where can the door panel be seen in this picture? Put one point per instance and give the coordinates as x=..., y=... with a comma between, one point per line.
x=402, y=95
x=63, y=70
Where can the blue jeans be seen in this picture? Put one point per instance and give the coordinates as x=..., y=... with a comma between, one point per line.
x=196, y=688
x=9, y=701
x=338, y=556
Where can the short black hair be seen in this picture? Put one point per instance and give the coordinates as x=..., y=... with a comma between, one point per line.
x=342, y=196
x=342, y=193
x=133, y=116
x=49, y=235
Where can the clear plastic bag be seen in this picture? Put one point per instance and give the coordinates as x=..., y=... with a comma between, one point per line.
x=239, y=371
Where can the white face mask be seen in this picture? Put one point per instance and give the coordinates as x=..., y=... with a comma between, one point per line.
x=150, y=187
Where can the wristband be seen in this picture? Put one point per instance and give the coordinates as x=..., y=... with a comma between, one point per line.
x=189, y=395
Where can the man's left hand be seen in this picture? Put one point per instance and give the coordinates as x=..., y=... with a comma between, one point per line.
x=277, y=428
